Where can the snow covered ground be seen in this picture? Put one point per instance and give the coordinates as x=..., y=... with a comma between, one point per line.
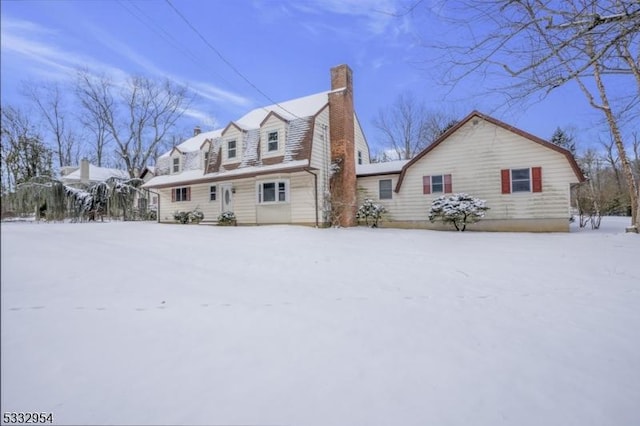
x=140, y=323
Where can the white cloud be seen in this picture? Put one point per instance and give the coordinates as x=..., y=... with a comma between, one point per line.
x=29, y=46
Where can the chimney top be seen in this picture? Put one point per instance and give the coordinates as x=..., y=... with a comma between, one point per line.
x=196, y=131
x=341, y=77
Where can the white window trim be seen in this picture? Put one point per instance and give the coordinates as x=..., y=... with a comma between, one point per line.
x=271, y=151
x=205, y=152
x=173, y=159
x=215, y=191
x=380, y=192
x=226, y=148
x=511, y=180
x=180, y=190
x=442, y=183
x=259, y=189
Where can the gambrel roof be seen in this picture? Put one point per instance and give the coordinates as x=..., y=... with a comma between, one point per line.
x=478, y=115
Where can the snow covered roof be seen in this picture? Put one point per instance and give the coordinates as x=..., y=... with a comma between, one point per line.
x=380, y=168
x=195, y=176
x=96, y=174
x=296, y=108
x=194, y=143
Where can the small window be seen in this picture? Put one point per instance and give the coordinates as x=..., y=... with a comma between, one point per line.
x=181, y=194
x=386, y=192
x=206, y=159
x=437, y=184
x=213, y=193
x=272, y=192
x=176, y=165
x=154, y=200
x=231, y=149
x=359, y=157
x=272, y=141
x=520, y=180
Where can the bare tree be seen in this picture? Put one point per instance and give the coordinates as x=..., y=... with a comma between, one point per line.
x=543, y=45
x=136, y=115
x=24, y=154
x=50, y=104
x=407, y=126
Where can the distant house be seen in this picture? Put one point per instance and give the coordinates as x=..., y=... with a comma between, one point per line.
x=525, y=180
x=291, y=162
x=87, y=174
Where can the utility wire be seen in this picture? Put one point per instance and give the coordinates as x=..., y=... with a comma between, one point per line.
x=229, y=64
x=149, y=23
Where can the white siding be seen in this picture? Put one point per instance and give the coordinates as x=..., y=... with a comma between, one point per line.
x=273, y=124
x=474, y=156
x=299, y=209
x=361, y=143
x=321, y=159
x=232, y=134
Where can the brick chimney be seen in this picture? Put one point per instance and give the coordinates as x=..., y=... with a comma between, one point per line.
x=342, y=134
x=196, y=131
x=84, y=171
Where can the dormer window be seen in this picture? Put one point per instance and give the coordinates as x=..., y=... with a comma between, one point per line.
x=272, y=141
x=206, y=159
x=176, y=165
x=231, y=149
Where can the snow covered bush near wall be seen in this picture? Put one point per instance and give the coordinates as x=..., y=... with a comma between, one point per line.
x=457, y=209
x=370, y=212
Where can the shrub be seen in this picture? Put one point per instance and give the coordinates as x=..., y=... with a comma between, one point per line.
x=370, y=212
x=194, y=216
x=227, y=219
x=458, y=209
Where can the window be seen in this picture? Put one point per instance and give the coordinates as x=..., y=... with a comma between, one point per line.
x=206, y=159
x=437, y=184
x=231, y=149
x=213, y=193
x=176, y=164
x=272, y=192
x=272, y=141
x=386, y=192
x=181, y=194
x=521, y=180
x=359, y=157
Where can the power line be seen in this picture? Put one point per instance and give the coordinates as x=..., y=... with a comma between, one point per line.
x=168, y=37
x=229, y=64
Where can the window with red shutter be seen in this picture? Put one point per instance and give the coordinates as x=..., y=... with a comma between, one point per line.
x=426, y=184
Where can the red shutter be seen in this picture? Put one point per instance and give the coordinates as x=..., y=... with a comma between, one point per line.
x=426, y=184
x=506, y=181
x=173, y=195
x=188, y=193
x=448, y=187
x=536, y=177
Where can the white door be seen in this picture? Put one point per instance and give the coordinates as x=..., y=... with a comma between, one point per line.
x=227, y=197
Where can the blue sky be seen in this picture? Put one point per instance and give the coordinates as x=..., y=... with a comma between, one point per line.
x=285, y=49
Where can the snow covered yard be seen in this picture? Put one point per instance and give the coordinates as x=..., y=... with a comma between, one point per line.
x=140, y=323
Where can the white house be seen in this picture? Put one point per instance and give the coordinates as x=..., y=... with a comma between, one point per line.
x=525, y=180
x=291, y=162
x=88, y=174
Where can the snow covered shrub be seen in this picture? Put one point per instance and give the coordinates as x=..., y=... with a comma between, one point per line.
x=370, y=212
x=458, y=209
x=194, y=216
x=227, y=219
